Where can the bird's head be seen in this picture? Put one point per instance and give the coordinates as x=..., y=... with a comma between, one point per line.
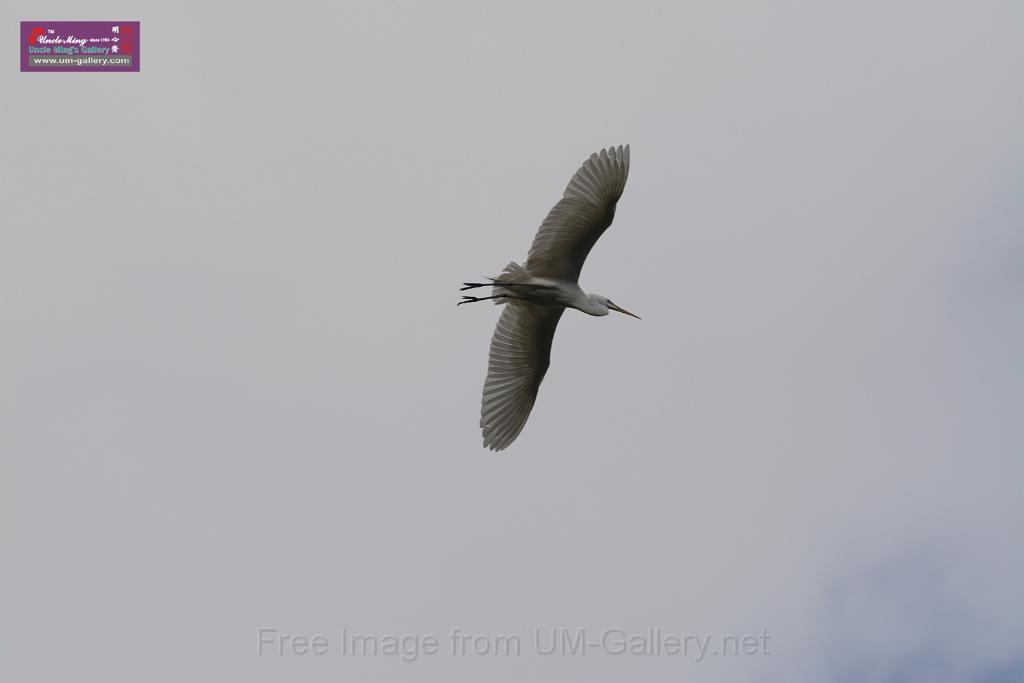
x=605, y=304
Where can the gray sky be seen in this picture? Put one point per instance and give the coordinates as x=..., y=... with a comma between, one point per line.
x=236, y=391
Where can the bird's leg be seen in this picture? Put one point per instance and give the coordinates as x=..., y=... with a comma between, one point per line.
x=496, y=283
x=474, y=299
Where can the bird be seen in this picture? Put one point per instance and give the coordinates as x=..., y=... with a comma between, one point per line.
x=536, y=295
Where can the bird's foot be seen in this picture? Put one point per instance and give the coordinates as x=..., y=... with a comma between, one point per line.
x=473, y=299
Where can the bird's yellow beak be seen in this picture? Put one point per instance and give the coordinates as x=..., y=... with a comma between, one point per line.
x=622, y=310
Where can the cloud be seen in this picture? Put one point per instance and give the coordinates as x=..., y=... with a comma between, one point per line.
x=915, y=617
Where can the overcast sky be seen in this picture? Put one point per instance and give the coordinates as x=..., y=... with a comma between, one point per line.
x=236, y=392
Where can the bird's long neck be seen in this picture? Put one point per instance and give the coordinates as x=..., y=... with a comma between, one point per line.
x=591, y=305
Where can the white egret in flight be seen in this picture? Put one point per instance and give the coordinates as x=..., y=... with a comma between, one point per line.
x=536, y=296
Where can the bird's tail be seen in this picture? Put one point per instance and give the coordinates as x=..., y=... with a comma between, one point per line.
x=513, y=273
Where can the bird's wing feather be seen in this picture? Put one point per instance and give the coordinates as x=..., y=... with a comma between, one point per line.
x=585, y=211
x=519, y=357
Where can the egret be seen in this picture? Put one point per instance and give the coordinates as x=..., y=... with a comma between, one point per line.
x=535, y=296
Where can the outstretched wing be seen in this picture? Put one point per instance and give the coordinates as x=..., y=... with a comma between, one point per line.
x=520, y=354
x=580, y=217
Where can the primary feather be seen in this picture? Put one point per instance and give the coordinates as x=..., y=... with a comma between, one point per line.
x=581, y=216
x=519, y=358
